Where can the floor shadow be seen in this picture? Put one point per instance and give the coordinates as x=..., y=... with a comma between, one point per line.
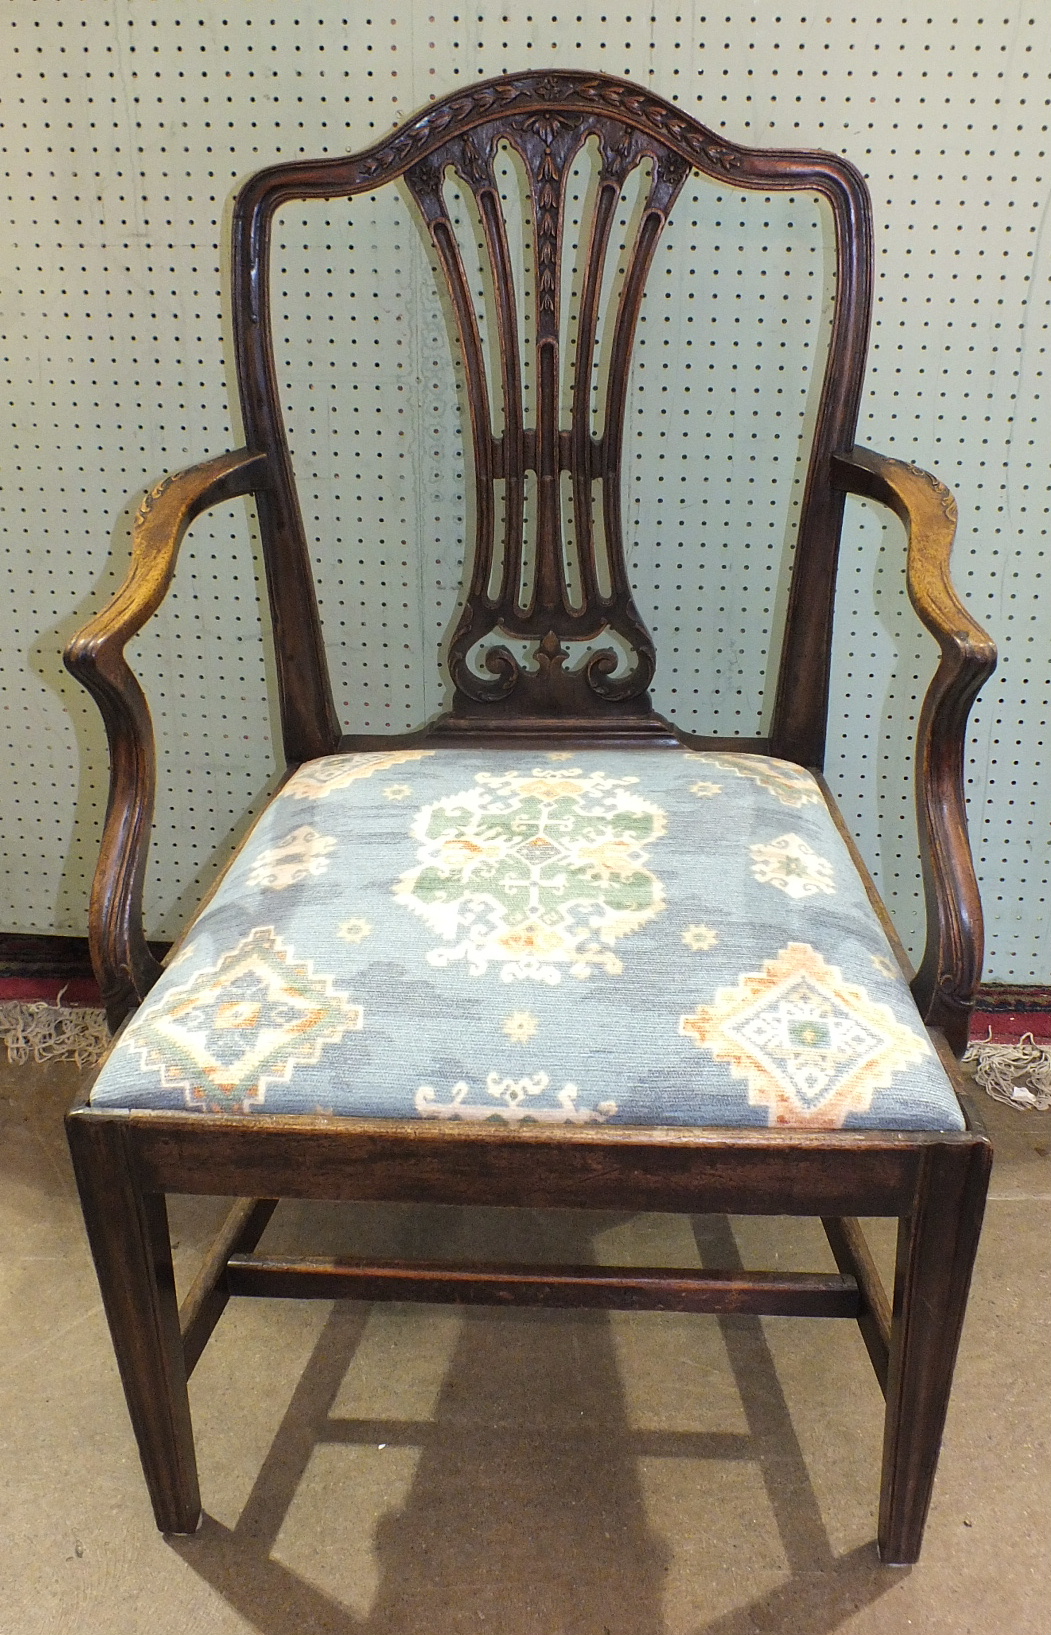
x=824, y=1589
x=525, y=1511
x=525, y=1501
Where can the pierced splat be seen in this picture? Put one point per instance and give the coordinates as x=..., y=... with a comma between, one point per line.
x=578, y=626
x=549, y=633
x=933, y=1178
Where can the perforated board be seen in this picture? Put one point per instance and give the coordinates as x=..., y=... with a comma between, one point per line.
x=126, y=130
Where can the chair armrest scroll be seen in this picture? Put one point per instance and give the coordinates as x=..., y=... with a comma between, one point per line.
x=124, y=966
x=945, y=984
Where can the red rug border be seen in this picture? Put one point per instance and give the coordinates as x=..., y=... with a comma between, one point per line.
x=36, y=968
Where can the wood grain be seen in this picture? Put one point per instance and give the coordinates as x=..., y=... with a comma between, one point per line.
x=125, y=968
x=933, y=1183
x=605, y=1288
x=209, y=1293
x=547, y=117
x=947, y=980
x=854, y=1258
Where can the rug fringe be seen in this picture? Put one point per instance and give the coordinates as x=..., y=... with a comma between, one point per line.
x=40, y=1032
x=1018, y=1074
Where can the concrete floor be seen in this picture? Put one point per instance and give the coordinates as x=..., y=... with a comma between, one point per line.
x=417, y=1471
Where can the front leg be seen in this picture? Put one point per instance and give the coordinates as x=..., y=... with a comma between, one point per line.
x=128, y=1233
x=937, y=1244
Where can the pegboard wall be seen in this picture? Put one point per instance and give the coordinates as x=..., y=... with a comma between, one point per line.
x=126, y=130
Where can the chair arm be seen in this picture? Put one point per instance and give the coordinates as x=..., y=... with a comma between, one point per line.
x=124, y=966
x=945, y=984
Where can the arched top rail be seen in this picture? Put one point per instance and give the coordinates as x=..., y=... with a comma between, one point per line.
x=586, y=644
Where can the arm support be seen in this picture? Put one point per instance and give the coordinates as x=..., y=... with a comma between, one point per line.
x=124, y=966
x=945, y=984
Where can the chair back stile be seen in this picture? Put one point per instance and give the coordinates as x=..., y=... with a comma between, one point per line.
x=590, y=657
x=550, y=952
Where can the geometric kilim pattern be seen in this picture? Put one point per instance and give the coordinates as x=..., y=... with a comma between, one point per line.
x=472, y=933
x=791, y=785
x=811, y=1047
x=239, y=1026
x=320, y=778
x=512, y=1102
x=535, y=872
x=792, y=866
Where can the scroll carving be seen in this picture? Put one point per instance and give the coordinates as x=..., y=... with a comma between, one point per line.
x=944, y=494
x=150, y=498
x=548, y=117
x=547, y=624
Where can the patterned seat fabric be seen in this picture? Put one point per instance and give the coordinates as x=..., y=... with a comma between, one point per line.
x=638, y=936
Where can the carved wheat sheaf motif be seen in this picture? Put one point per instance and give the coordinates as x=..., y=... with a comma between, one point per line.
x=547, y=201
x=533, y=576
x=492, y=99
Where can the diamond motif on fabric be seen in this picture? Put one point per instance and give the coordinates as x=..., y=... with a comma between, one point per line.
x=317, y=779
x=811, y=1047
x=791, y=784
x=535, y=873
x=241, y=1025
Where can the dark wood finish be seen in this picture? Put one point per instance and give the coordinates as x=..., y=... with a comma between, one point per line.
x=854, y=1259
x=937, y=1243
x=702, y=1171
x=208, y=1294
x=547, y=117
x=128, y=1232
x=947, y=980
x=934, y=1183
x=125, y=967
x=607, y=1288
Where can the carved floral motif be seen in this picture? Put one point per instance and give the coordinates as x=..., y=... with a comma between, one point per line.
x=623, y=101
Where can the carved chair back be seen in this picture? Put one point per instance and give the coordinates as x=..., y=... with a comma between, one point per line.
x=527, y=583
x=565, y=600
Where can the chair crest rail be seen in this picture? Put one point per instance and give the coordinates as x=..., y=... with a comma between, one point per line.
x=588, y=654
x=253, y=1075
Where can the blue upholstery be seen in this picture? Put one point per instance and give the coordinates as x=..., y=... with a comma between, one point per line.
x=630, y=936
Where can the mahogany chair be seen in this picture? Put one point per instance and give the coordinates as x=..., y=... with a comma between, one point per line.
x=568, y=956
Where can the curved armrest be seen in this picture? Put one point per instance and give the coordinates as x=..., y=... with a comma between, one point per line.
x=124, y=967
x=944, y=987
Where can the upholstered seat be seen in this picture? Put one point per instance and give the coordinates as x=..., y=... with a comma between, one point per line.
x=635, y=936
x=556, y=953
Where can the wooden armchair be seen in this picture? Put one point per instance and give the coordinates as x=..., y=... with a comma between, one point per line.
x=549, y=951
